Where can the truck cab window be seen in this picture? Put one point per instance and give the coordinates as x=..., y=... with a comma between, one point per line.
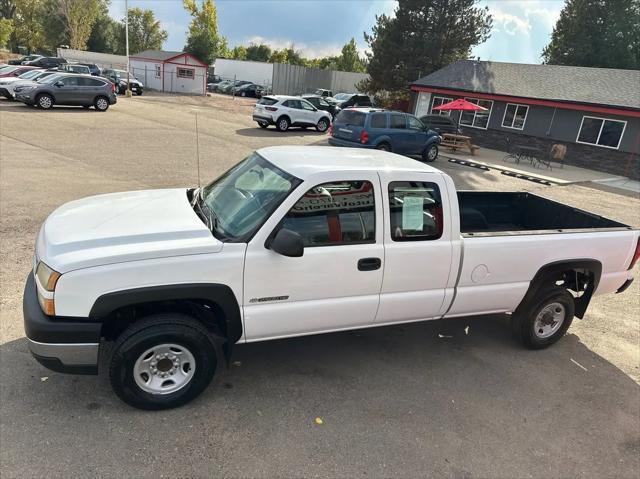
x=334, y=214
x=416, y=211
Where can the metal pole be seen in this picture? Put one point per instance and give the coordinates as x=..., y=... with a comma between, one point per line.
x=126, y=40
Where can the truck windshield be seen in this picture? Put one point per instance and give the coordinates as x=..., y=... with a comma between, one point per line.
x=241, y=200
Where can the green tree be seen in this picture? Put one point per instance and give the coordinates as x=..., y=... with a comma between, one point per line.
x=28, y=29
x=349, y=60
x=204, y=41
x=78, y=17
x=107, y=35
x=423, y=36
x=258, y=53
x=145, y=32
x=6, y=29
x=287, y=55
x=238, y=53
x=596, y=33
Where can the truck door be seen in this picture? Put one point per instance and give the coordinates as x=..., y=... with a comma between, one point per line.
x=418, y=247
x=336, y=283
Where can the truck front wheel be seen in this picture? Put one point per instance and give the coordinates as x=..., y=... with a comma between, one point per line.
x=546, y=320
x=162, y=362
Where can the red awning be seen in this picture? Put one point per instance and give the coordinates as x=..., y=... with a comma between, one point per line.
x=460, y=104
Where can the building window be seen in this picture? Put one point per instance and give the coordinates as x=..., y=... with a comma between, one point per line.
x=477, y=119
x=601, y=132
x=515, y=116
x=158, y=71
x=186, y=73
x=439, y=101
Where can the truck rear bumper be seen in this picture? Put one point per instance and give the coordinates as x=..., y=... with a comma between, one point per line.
x=66, y=345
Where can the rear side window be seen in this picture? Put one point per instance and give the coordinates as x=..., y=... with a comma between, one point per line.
x=293, y=104
x=90, y=82
x=351, y=117
x=379, y=120
x=265, y=100
x=332, y=214
x=398, y=121
x=363, y=100
x=416, y=211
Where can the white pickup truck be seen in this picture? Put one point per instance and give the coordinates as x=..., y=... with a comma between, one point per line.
x=295, y=241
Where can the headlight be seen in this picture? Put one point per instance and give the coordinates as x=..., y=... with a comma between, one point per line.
x=47, y=277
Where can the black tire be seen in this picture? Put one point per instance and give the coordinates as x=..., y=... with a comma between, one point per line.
x=263, y=124
x=155, y=330
x=384, y=146
x=138, y=92
x=430, y=154
x=101, y=103
x=551, y=300
x=44, y=101
x=322, y=125
x=283, y=123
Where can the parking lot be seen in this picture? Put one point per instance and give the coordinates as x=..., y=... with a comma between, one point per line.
x=427, y=399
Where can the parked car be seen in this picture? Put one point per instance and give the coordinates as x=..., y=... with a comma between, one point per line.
x=220, y=86
x=119, y=79
x=68, y=89
x=323, y=92
x=440, y=124
x=93, y=68
x=342, y=96
x=384, y=130
x=14, y=70
x=46, y=62
x=75, y=68
x=234, y=85
x=8, y=89
x=356, y=99
x=321, y=103
x=250, y=89
x=287, y=111
x=7, y=82
x=300, y=240
x=21, y=60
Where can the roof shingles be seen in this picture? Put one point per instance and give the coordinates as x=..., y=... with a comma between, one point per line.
x=599, y=86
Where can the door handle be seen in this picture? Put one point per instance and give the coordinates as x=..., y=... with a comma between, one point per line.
x=369, y=264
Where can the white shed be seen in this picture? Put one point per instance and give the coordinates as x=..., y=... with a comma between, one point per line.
x=175, y=72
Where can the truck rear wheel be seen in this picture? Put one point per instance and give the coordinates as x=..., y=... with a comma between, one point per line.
x=162, y=362
x=546, y=319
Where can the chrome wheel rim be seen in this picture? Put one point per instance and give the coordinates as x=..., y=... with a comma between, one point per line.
x=164, y=369
x=322, y=125
x=432, y=153
x=102, y=104
x=549, y=320
x=44, y=102
x=283, y=124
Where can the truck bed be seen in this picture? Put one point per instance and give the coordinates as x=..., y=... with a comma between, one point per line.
x=485, y=213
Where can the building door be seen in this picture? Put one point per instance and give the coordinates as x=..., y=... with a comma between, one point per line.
x=422, y=105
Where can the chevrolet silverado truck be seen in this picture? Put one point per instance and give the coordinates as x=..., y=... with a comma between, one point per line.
x=295, y=241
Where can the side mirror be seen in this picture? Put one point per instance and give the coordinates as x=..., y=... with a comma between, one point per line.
x=287, y=243
x=59, y=83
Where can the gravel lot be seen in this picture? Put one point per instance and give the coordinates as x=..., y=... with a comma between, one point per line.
x=398, y=401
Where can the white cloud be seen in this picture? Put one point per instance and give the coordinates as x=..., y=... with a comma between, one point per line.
x=511, y=24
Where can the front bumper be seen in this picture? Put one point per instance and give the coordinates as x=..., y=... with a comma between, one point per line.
x=25, y=98
x=5, y=93
x=66, y=345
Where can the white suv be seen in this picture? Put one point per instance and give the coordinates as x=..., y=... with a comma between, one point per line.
x=286, y=111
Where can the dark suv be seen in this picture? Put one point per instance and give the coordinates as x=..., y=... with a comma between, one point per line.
x=47, y=62
x=384, y=130
x=68, y=89
x=440, y=123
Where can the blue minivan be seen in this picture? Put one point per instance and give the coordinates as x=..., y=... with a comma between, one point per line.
x=384, y=130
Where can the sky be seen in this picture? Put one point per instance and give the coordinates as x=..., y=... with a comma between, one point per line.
x=521, y=28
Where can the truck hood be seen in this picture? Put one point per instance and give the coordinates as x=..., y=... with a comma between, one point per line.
x=119, y=227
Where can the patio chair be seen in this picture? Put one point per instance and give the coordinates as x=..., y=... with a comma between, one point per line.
x=557, y=153
x=509, y=149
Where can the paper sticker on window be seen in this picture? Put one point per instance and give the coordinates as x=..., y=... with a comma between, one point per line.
x=412, y=213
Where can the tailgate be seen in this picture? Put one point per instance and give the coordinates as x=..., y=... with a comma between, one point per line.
x=348, y=125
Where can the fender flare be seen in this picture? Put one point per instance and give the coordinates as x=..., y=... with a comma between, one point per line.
x=219, y=294
x=551, y=270
x=384, y=139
